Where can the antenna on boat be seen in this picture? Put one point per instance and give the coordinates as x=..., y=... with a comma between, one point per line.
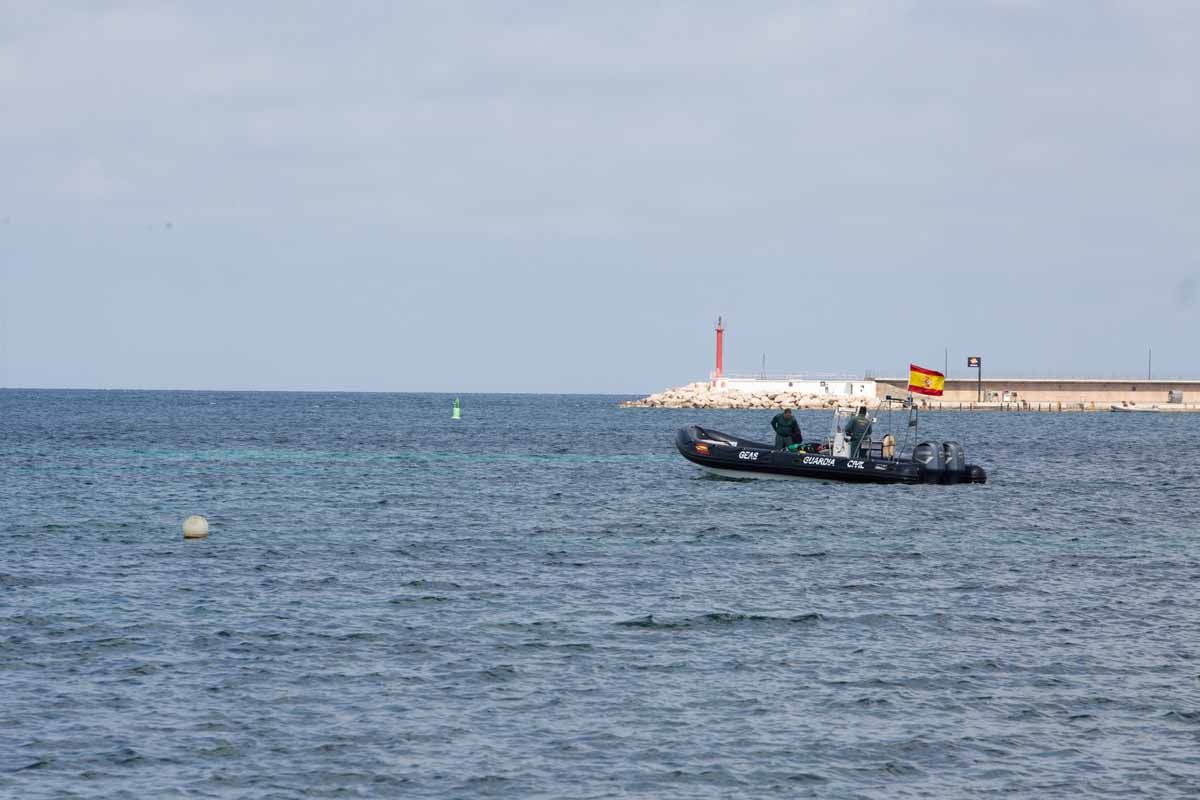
x=913, y=413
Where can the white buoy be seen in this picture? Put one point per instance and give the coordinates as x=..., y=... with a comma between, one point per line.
x=195, y=527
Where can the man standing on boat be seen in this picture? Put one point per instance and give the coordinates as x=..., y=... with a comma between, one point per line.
x=787, y=429
x=858, y=428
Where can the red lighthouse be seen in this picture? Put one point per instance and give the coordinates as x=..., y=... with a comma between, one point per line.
x=720, y=350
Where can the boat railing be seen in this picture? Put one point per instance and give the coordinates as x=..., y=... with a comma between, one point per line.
x=873, y=446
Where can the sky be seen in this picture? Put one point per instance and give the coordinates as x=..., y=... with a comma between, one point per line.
x=563, y=197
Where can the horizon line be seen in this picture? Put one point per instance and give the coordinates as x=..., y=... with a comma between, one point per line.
x=297, y=391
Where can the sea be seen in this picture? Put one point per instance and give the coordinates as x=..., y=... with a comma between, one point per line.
x=543, y=600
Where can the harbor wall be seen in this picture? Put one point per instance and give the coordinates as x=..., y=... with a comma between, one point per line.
x=1055, y=390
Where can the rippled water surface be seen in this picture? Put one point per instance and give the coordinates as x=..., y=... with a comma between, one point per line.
x=543, y=600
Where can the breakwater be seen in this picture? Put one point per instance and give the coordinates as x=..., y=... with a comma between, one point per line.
x=701, y=395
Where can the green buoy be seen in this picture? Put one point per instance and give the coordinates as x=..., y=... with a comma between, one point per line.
x=457, y=414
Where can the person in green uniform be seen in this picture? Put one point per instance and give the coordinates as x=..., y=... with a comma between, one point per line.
x=858, y=429
x=787, y=429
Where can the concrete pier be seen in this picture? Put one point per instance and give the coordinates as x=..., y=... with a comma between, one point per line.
x=1026, y=392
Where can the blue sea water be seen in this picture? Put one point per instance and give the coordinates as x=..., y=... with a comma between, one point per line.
x=544, y=601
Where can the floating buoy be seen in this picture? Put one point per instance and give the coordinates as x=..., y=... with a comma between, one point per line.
x=457, y=413
x=195, y=527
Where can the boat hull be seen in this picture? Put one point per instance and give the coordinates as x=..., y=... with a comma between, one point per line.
x=1134, y=409
x=732, y=457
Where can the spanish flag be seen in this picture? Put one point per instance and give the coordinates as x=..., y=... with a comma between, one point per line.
x=925, y=381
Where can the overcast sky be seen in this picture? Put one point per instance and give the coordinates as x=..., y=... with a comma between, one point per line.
x=406, y=196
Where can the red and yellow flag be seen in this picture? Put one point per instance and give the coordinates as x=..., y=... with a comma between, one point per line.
x=925, y=381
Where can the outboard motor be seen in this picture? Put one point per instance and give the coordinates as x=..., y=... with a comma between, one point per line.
x=956, y=461
x=931, y=458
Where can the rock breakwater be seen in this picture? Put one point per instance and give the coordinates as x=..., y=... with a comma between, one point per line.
x=701, y=395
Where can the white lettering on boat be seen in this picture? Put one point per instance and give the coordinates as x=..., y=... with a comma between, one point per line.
x=820, y=461
x=748, y=455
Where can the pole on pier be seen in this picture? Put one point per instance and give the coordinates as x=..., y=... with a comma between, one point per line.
x=720, y=348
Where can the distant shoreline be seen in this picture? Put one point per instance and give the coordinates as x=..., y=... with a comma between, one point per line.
x=429, y=392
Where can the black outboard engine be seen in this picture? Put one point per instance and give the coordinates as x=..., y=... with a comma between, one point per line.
x=956, y=462
x=930, y=456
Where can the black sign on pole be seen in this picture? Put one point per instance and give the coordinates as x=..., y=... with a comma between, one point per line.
x=977, y=363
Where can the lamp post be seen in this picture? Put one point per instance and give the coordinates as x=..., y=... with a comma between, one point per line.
x=977, y=363
x=720, y=348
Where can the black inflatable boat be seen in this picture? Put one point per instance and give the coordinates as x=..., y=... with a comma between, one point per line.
x=734, y=457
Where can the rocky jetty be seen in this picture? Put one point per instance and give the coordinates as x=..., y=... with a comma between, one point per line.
x=700, y=395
